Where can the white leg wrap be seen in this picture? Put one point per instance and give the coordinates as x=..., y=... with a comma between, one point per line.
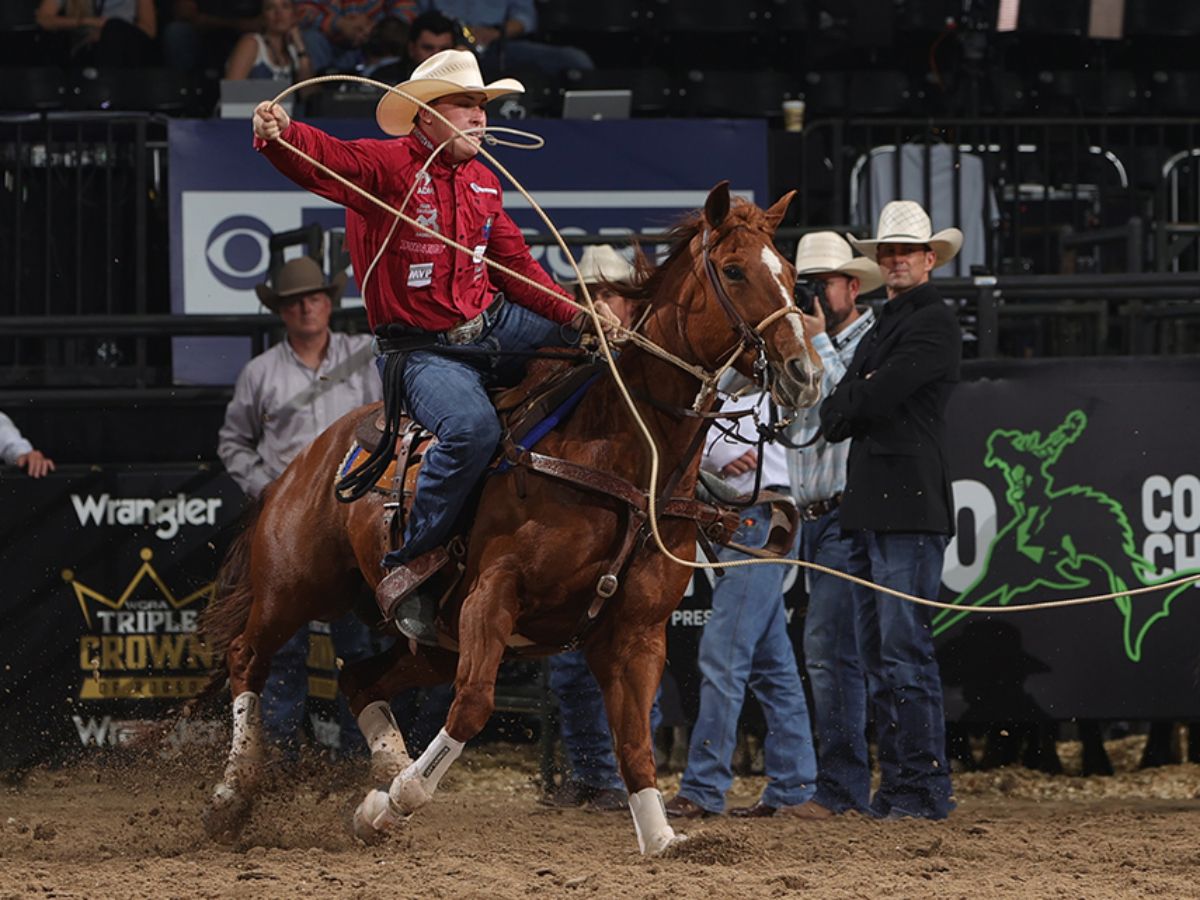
x=246, y=752
x=389, y=756
x=650, y=821
x=414, y=787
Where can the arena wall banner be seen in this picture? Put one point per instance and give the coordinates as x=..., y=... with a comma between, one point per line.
x=591, y=177
x=106, y=574
x=1070, y=477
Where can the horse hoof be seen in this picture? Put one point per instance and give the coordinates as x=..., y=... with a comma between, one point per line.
x=372, y=809
x=665, y=843
x=386, y=765
x=226, y=814
x=408, y=793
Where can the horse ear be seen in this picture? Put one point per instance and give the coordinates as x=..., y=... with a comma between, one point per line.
x=778, y=208
x=716, y=207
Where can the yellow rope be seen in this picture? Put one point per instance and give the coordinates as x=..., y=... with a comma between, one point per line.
x=707, y=380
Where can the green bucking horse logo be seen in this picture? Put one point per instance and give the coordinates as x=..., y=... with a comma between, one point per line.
x=1061, y=542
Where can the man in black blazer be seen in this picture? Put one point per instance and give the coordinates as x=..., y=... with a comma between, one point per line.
x=897, y=507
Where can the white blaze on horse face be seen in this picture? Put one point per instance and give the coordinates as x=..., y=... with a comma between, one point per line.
x=774, y=264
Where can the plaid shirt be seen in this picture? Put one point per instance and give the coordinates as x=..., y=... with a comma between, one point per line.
x=818, y=472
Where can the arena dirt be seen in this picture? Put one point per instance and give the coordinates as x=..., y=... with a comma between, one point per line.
x=134, y=831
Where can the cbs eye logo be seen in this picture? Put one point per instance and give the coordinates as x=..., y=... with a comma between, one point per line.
x=238, y=252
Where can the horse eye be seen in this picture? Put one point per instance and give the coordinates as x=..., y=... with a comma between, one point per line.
x=733, y=273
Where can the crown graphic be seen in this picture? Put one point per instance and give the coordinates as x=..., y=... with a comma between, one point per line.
x=145, y=571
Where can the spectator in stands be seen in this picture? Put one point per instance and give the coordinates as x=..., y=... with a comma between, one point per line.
x=836, y=325
x=431, y=33
x=500, y=30
x=104, y=33
x=593, y=780
x=897, y=504
x=203, y=33
x=16, y=451
x=385, y=54
x=276, y=52
x=336, y=30
x=745, y=644
x=284, y=398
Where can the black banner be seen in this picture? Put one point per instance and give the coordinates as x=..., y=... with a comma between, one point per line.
x=105, y=575
x=1071, y=477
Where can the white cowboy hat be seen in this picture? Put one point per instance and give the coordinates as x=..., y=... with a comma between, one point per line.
x=904, y=222
x=298, y=278
x=822, y=252
x=445, y=73
x=602, y=263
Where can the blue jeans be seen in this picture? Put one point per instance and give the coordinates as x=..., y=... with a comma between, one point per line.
x=905, y=689
x=835, y=672
x=285, y=695
x=448, y=396
x=585, y=733
x=745, y=642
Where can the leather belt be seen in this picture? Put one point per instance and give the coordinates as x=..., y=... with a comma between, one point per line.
x=819, y=508
x=395, y=336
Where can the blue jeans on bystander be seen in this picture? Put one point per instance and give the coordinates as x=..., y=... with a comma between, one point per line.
x=585, y=733
x=905, y=689
x=745, y=643
x=835, y=672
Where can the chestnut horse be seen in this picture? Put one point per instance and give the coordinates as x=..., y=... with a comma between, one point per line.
x=538, y=547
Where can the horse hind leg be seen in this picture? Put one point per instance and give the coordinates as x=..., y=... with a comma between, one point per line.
x=228, y=810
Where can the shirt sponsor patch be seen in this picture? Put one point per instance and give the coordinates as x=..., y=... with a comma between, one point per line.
x=477, y=256
x=420, y=275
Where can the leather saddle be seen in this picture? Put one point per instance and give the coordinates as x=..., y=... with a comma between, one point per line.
x=548, y=383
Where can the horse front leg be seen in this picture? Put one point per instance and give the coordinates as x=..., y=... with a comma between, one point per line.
x=628, y=664
x=485, y=623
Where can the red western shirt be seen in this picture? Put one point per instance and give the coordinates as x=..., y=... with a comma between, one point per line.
x=419, y=281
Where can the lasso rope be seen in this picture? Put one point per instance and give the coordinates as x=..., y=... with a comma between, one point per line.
x=707, y=380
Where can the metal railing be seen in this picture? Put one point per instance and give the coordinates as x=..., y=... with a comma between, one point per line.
x=1027, y=192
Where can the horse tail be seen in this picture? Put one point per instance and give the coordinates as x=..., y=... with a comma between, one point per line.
x=227, y=613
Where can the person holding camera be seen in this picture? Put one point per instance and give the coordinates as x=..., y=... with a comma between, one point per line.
x=830, y=280
x=897, y=508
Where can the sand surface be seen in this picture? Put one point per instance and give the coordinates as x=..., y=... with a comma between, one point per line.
x=133, y=830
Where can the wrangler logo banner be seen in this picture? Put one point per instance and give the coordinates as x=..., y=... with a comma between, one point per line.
x=105, y=576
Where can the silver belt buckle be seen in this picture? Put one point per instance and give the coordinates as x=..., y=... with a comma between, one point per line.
x=467, y=332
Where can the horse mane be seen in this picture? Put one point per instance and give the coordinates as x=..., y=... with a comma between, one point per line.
x=654, y=283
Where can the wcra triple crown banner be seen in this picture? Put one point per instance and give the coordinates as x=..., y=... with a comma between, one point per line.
x=105, y=576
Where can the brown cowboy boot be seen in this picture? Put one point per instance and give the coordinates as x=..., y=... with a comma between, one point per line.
x=399, y=599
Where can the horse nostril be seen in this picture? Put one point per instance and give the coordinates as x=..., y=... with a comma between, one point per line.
x=798, y=370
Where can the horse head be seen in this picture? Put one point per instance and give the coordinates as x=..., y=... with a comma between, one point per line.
x=731, y=288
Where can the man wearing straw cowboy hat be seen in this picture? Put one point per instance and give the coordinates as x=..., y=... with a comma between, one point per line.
x=897, y=507
x=420, y=291
x=284, y=398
